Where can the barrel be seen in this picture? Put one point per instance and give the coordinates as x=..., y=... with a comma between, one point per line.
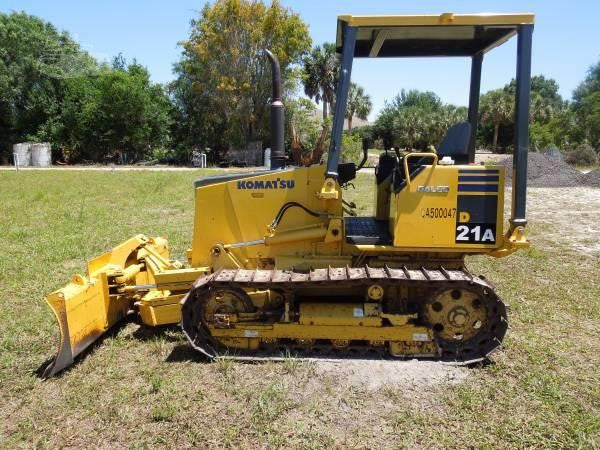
x=41, y=154
x=22, y=154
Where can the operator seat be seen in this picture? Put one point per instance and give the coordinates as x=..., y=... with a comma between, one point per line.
x=456, y=143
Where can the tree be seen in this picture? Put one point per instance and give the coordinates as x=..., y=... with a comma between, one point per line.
x=320, y=74
x=440, y=120
x=409, y=128
x=496, y=108
x=35, y=62
x=117, y=114
x=223, y=66
x=415, y=119
x=542, y=88
x=541, y=110
x=586, y=105
x=307, y=134
x=359, y=104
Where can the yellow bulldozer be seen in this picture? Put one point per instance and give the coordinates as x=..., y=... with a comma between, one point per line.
x=280, y=262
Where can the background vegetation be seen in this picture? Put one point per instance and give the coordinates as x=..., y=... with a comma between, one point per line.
x=52, y=90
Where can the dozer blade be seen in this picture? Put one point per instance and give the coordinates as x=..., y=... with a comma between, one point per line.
x=86, y=308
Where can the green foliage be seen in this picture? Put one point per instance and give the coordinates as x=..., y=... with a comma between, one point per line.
x=548, y=116
x=51, y=90
x=415, y=120
x=586, y=105
x=351, y=148
x=320, y=74
x=358, y=104
x=118, y=115
x=496, y=109
x=546, y=88
x=224, y=79
x=366, y=133
x=301, y=113
x=561, y=131
x=541, y=136
x=583, y=155
x=35, y=62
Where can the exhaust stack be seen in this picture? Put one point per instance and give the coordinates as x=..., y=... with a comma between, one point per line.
x=277, y=115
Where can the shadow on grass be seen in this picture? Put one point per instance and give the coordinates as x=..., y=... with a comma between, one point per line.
x=185, y=352
x=168, y=333
x=112, y=332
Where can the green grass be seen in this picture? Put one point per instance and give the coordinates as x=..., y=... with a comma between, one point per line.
x=145, y=388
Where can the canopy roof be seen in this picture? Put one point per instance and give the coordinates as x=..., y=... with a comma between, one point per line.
x=430, y=35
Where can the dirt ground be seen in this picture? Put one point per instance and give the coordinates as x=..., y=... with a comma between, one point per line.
x=375, y=374
x=570, y=216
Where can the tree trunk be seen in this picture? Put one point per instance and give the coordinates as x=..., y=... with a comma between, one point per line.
x=319, y=149
x=350, y=123
x=296, y=147
x=324, y=110
x=495, y=141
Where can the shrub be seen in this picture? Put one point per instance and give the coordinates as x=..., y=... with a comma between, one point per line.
x=584, y=155
x=540, y=136
x=351, y=148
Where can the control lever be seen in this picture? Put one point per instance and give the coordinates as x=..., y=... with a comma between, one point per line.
x=366, y=143
x=351, y=205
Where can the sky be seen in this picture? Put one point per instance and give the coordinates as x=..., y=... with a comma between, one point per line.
x=566, y=40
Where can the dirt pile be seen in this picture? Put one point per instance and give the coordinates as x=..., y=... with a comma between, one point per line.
x=592, y=178
x=545, y=172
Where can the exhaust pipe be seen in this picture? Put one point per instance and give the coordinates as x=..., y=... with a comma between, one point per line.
x=277, y=115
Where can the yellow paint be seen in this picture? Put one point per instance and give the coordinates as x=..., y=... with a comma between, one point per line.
x=349, y=314
x=414, y=230
x=414, y=156
x=160, y=308
x=444, y=19
x=226, y=213
x=298, y=331
x=84, y=309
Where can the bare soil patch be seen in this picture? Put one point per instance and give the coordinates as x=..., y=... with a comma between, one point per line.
x=374, y=374
x=568, y=216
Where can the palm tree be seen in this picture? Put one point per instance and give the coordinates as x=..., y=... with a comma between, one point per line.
x=320, y=74
x=497, y=108
x=359, y=104
x=541, y=109
x=409, y=128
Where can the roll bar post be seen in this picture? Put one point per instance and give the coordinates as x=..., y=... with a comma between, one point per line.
x=521, y=142
x=341, y=99
x=476, y=62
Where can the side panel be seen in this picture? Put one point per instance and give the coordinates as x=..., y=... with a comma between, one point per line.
x=458, y=207
x=241, y=211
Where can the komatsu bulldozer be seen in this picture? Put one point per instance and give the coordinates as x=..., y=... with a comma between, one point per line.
x=280, y=262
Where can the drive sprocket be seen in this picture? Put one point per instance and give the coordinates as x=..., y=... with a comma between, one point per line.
x=468, y=322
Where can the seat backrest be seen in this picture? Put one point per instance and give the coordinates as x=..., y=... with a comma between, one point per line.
x=456, y=143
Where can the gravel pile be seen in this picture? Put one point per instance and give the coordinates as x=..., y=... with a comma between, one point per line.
x=592, y=178
x=545, y=172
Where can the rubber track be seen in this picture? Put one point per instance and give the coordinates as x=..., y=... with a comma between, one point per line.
x=488, y=340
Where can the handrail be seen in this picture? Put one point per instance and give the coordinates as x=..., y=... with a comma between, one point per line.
x=420, y=155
